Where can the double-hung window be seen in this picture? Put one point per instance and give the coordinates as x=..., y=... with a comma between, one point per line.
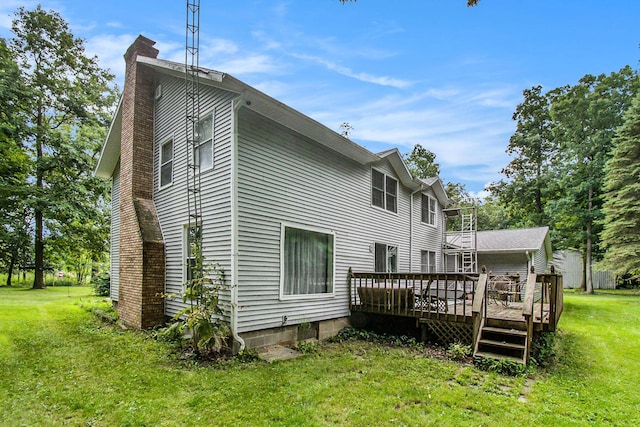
x=203, y=150
x=429, y=209
x=192, y=252
x=386, y=258
x=384, y=191
x=307, y=262
x=166, y=163
x=427, y=262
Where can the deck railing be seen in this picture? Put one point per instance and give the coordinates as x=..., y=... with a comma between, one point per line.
x=451, y=295
x=412, y=294
x=551, y=299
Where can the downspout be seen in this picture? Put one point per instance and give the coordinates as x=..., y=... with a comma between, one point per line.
x=235, y=107
x=411, y=228
x=529, y=262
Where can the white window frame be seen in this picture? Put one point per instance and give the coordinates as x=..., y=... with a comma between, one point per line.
x=196, y=150
x=431, y=211
x=185, y=251
x=283, y=296
x=427, y=265
x=161, y=163
x=385, y=191
x=388, y=250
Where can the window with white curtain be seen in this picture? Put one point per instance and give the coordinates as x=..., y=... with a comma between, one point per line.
x=386, y=258
x=307, y=260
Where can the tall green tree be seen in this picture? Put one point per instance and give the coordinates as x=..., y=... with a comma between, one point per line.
x=621, y=233
x=14, y=164
x=422, y=162
x=585, y=117
x=68, y=91
x=525, y=191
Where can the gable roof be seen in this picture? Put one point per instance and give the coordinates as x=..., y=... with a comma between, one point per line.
x=275, y=110
x=515, y=240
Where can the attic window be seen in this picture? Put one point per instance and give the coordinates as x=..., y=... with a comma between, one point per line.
x=384, y=191
x=428, y=209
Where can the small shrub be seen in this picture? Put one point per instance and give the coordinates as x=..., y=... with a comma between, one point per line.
x=352, y=334
x=200, y=323
x=504, y=366
x=247, y=356
x=458, y=351
x=308, y=347
x=101, y=283
x=543, y=349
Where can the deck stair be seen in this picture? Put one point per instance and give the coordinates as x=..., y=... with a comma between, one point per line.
x=500, y=340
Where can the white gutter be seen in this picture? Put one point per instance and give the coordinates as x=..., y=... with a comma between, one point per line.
x=235, y=106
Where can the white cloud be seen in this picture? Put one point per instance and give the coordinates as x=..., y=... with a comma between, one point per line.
x=110, y=49
x=249, y=64
x=364, y=77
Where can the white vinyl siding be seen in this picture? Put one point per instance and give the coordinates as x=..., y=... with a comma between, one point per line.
x=285, y=178
x=427, y=237
x=505, y=263
x=171, y=202
x=115, y=234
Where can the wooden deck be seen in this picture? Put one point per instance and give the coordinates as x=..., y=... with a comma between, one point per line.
x=456, y=307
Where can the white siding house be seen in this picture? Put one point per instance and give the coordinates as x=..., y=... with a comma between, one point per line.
x=288, y=206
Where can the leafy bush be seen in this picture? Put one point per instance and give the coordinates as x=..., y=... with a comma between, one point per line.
x=308, y=347
x=350, y=334
x=543, y=349
x=504, y=366
x=200, y=323
x=101, y=283
x=458, y=351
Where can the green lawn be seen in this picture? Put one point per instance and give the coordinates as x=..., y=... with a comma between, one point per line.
x=59, y=366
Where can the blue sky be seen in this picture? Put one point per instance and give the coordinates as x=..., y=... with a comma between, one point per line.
x=432, y=72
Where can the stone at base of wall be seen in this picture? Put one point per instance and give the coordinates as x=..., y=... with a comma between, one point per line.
x=289, y=335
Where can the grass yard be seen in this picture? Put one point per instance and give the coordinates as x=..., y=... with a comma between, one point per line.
x=60, y=366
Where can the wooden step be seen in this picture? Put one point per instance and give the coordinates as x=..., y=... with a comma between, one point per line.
x=518, y=325
x=496, y=356
x=515, y=332
x=502, y=344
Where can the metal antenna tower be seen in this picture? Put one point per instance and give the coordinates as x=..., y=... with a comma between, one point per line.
x=192, y=122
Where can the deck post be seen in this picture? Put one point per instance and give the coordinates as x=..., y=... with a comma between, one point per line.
x=527, y=311
x=477, y=307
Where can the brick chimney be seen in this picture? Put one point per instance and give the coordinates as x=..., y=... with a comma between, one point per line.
x=142, y=256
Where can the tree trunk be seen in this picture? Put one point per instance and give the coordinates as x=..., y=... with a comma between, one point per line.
x=12, y=263
x=588, y=271
x=38, y=272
